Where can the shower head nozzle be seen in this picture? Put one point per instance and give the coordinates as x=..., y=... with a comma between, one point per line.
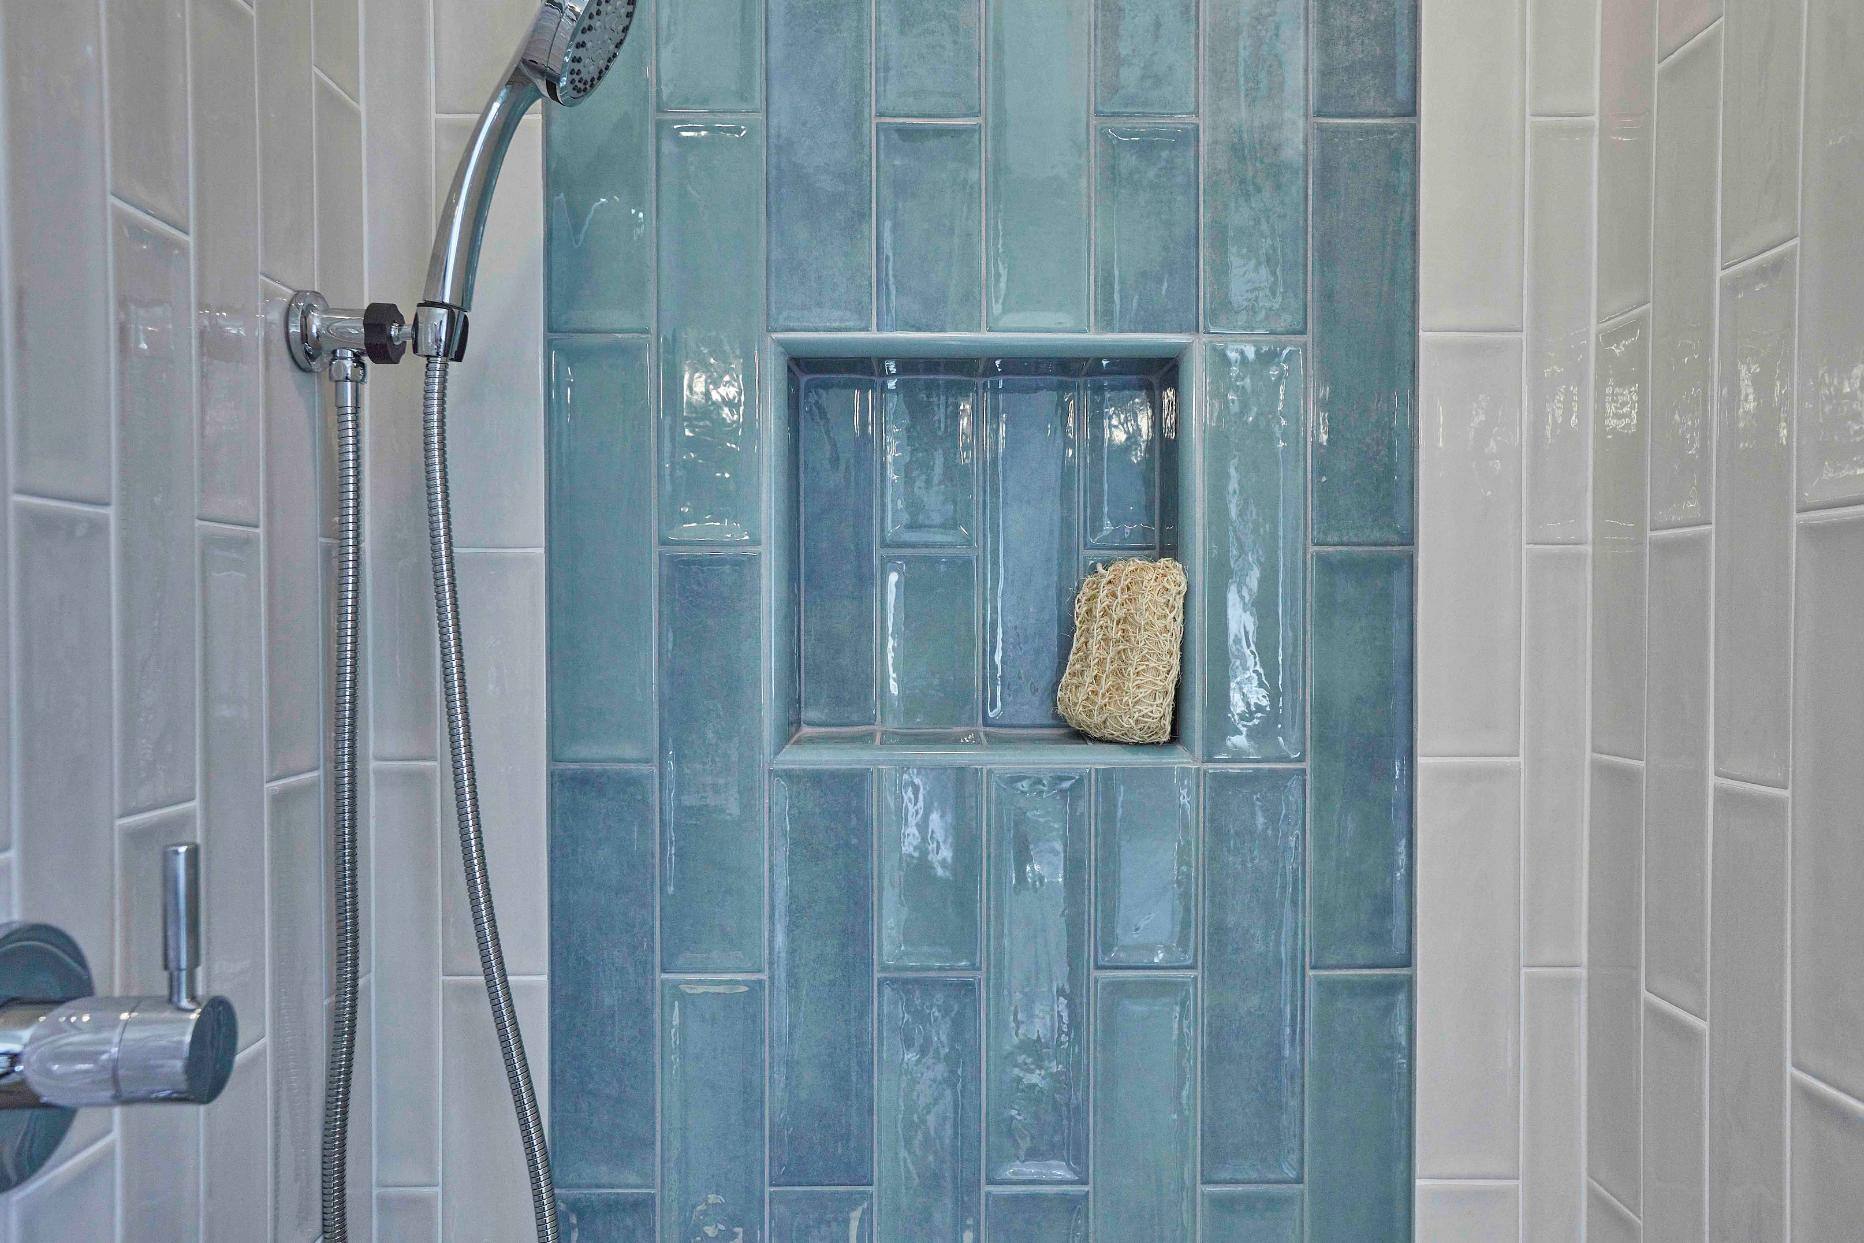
x=573, y=43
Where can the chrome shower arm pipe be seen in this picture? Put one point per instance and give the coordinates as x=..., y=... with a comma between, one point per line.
x=455, y=262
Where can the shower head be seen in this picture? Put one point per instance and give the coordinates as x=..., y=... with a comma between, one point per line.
x=572, y=44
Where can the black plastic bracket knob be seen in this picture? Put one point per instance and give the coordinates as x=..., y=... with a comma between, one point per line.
x=384, y=333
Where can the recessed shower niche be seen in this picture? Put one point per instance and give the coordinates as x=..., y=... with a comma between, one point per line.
x=941, y=514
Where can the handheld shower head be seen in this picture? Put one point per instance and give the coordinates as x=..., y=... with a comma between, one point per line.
x=572, y=44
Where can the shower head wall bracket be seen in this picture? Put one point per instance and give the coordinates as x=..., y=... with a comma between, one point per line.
x=314, y=333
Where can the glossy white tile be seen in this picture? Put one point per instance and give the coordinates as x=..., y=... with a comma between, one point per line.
x=1627, y=82
x=1562, y=57
x=340, y=212
x=1614, y=1010
x=147, y=62
x=471, y=49
x=1552, y=1106
x=1675, y=1069
x=484, y=1192
x=293, y=628
x=1679, y=21
x=1607, y=1221
x=78, y=1200
x=1828, y=1150
x=1621, y=451
x=236, y=1185
x=408, y=1214
x=1468, y=1212
x=1553, y=848
x=296, y=1026
x=405, y=807
x=287, y=181
x=1760, y=113
x=1558, y=393
x=338, y=49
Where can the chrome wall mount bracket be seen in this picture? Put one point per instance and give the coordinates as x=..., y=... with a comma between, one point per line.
x=315, y=334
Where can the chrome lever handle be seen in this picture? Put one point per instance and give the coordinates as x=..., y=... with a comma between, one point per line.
x=181, y=923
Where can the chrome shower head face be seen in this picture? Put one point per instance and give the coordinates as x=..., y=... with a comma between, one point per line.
x=574, y=43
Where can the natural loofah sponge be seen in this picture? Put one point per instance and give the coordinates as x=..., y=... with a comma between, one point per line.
x=1122, y=676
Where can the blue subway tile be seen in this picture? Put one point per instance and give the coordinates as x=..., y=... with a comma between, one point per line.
x=1253, y=975
x=821, y=1217
x=1255, y=171
x=601, y=550
x=1146, y=57
x=929, y=244
x=1365, y=58
x=1362, y=762
x=1145, y=1108
x=931, y=439
x=1145, y=229
x=709, y=55
x=929, y=642
x=710, y=208
x=1033, y=552
x=821, y=199
x=1037, y=237
x=602, y=977
x=931, y=867
x=1365, y=333
x=1255, y=568
x=930, y=1110
x=822, y=966
x=1123, y=440
x=1145, y=866
x=1038, y=973
x=927, y=64
x=1252, y=1215
x=599, y=158
x=608, y=1216
x=1359, y=1162
x=712, y=789
x=712, y=1138
x=1036, y=1217
x=836, y=467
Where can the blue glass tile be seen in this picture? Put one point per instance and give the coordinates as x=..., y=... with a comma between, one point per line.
x=601, y=550
x=607, y=1216
x=930, y=1082
x=1255, y=568
x=1359, y=1092
x=1145, y=865
x=712, y=789
x=836, y=464
x=709, y=55
x=1033, y=552
x=1145, y=229
x=1145, y=1109
x=1365, y=333
x=1365, y=58
x=930, y=250
x=822, y=968
x=599, y=158
x=710, y=207
x=712, y=1071
x=821, y=196
x=1122, y=446
x=927, y=58
x=1036, y=243
x=1362, y=763
x=1146, y=57
x=1255, y=170
x=1036, y=1217
x=602, y=976
x=1038, y=972
x=821, y=1217
x=931, y=867
x=1252, y=1215
x=929, y=644
x=1253, y=975
x=931, y=432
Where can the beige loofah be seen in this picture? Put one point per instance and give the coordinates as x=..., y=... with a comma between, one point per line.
x=1122, y=676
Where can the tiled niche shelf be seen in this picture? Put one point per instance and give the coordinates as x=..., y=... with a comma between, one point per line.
x=940, y=502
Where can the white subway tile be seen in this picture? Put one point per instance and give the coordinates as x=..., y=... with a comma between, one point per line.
x=1562, y=58
x=472, y=48
x=404, y=806
x=296, y=1032
x=1760, y=111
x=1553, y=847
x=484, y=1192
x=1614, y=1009
x=1621, y=452
x=1552, y=1107
x=147, y=62
x=339, y=43
x=1675, y=1066
x=1468, y=1212
x=294, y=619
x=1559, y=330
x=1828, y=1152
x=287, y=186
x=1627, y=82
x=1607, y=1221
x=339, y=198
x=78, y=1200
x=408, y=1214
x=236, y=1177
x=1679, y=21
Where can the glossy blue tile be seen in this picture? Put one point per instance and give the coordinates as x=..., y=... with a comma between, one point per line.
x=1145, y=229
x=712, y=1136
x=821, y=1217
x=1145, y=1109
x=607, y=1216
x=929, y=256
x=1253, y=975
x=821, y=981
x=599, y=162
x=819, y=164
x=836, y=495
x=1365, y=333
x=927, y=58
x=711, y=770
x=1255, y=559
x=1359, y=1098
x=710, y=55
x=1037, y=976
x=1255, y=170
x=601, y=550
x=602, y=979
x=930, y=430
x=931, y=1080
x=1122, y=450
x=710, y=209
x=1036, y=1217
x=931, y=867
x=928, y=669
x=1145, y=866
x=1146, y=57
x=1036, y=257
x=1252, y=1215
x=1365, y=58
x=1032, y=550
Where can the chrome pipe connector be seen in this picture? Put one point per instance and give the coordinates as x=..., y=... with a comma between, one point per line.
x=315, y=334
